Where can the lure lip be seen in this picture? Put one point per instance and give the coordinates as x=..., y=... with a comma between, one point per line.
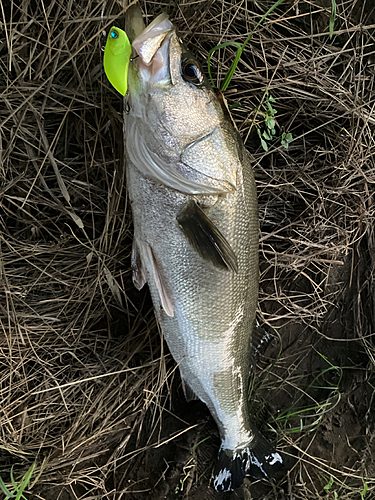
x=117, y=52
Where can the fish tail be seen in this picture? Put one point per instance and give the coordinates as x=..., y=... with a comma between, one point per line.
x=258, y=459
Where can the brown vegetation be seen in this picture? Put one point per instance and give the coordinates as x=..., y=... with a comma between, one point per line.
x=88, y=390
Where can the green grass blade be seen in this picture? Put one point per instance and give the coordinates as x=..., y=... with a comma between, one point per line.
x=218, y=47
x=332, y=18
x=234, y=64
x=310, y=417
x=14, y=484
x=192, y=451
x=25, y=481
x=5, y=490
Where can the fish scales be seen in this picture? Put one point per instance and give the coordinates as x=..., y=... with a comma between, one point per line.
x=194, y=206
x=209, y=332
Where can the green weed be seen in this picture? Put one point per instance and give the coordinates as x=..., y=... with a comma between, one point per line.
x=328, y=486
x=269, y=112
x=190, y=466
x=337, y=489
x=269, y=133
x=182, y=482
x=286, y=138
x=240, y=49
x=364, y=491
x=18, y=488
x=308, y=418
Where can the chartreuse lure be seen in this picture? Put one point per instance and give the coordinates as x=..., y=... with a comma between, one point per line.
x=117, y=53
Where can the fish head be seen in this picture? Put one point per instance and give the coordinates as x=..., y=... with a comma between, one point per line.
x=164, y=59
x=177, y=129
x=167, y=87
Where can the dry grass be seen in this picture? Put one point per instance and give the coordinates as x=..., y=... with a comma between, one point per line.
x=84, y=380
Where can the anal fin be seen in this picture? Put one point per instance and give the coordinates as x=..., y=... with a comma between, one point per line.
x=139, y=276
x=160, y=282
x=142, y=259
x=205, y=237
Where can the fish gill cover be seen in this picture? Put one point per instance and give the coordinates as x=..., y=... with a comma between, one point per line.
x=89, y=394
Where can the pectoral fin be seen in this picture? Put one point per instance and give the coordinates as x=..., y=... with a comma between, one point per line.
x=206, y=238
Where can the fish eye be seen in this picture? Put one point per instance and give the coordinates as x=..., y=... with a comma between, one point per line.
x=191, y=71
x=114, y=34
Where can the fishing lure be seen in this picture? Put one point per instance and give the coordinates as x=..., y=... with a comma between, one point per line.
x=117, y=53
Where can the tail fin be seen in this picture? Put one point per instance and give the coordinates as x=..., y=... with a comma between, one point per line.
x=258, y=459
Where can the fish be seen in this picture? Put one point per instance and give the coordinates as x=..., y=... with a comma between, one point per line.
x=196, y=236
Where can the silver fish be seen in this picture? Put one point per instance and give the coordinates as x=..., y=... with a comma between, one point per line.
x=194, y=205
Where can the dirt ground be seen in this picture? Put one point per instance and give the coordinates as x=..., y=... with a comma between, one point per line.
x=90, y=396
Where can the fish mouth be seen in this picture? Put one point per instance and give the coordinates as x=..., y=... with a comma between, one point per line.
x=152, y=47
